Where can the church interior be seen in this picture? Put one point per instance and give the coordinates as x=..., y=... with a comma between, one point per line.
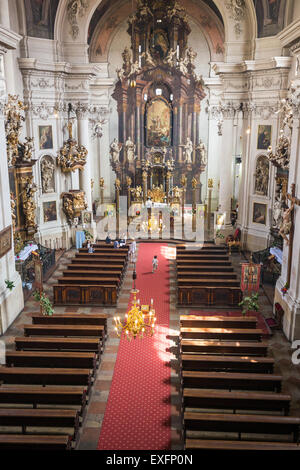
x=150, y=225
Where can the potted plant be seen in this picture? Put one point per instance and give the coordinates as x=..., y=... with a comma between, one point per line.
x=249, y=303
x=9, y=285
x=45, y=304
x=88, y=235
x=219, y=237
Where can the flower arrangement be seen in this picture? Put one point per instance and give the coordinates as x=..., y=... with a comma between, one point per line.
x=285, y=288
x=9, y=285
x=88, y=235
x=249, y=303
x=219, y=234
x=46, y=306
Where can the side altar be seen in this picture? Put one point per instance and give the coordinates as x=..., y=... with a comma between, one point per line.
x=159, y=97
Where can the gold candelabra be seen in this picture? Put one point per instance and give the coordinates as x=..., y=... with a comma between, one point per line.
x=139, y=321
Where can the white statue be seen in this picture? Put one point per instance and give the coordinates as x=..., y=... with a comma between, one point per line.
x=149, y=62
x=47, y=171
x=129, y=150
x=28, y=149
x=188, y=150
x=182, y=65
x=115, y=149
x=203, y=152
x=171, y=57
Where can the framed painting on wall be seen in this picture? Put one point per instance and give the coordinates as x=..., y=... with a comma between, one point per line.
x=5, y=241
x=264, y=136
x=259, y=213
x=50, y=212
x=158, y=124
x=45, y=137
x=87, y=217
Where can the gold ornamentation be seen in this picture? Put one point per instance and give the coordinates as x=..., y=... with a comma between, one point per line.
x=29, y=206
x=137, y=193
x=72, y=156
x=101, y=182
x=13, y=211
x=210, y=183
x=156, y=194
x=128, y=181
x=139, y=321
x=13, y=125
x=117, y=184
x=183, y=181
x=73, y=204
x=194, y=183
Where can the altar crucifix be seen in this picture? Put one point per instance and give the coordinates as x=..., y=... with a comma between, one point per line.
x=288, y=227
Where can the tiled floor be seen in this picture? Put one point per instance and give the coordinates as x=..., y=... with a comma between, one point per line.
x=90, y=430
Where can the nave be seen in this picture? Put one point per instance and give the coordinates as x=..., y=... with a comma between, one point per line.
x=139, y=384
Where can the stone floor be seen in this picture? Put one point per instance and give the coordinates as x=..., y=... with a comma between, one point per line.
x=279, y=347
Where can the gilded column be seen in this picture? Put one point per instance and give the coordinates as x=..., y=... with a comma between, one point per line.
x=83, y=139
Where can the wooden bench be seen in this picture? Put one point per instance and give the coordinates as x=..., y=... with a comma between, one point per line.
x=230, y=334
x=198, y=257
x=205, y=275
x=45, y=376
x=227, y=363
x=96, y=266
x=109, y=250
x=195, y=269
x=199, y=296
x=86, y=272
x=38, y=395
x=36, y=442
x=82, y=294
x=198, y=263
x=87, y=260
x=89, y=279
x=205, y=282
x=215, y=321
x=12, y=417
x=231, y=380
x=223, y=347
x=240, y=400
x=60, y=344
x=77, y=360
x=239, y=445
x=239, y=423
x=64, y=330
x=71, y=319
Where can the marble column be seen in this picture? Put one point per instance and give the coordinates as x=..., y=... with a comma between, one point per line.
x=226, y=183
x=83, y=139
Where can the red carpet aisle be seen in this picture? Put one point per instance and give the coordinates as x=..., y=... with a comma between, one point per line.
x=138, y=411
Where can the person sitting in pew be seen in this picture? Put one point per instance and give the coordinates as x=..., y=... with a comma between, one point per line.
x=90, y=247
x=108, y=239
x=116, y=244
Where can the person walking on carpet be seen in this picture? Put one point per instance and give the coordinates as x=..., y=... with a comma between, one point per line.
x=154, y=264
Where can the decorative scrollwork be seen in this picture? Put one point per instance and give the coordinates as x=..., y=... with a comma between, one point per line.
x=72, y=156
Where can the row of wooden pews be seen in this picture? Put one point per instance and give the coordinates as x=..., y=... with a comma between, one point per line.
x=228, y=386
x=47, y=380
x=205, y=276
x=93, y=278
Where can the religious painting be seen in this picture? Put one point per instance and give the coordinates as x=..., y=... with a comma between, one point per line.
x=270, y=16
x=264, y=136
x=40, y=18
x=45, y=137
x=50, y=212
x=5, y=241
x=158, y=124
x=86, y=217
x=262, y=175
x=250, y=277
x=159, y=43
x=259, y=213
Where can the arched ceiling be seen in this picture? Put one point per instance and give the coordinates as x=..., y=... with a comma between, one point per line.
x=108, y=17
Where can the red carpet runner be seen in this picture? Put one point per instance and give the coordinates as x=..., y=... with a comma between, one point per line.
x=138, y=411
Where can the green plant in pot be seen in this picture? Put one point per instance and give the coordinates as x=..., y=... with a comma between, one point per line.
x=46, y=306
x=249, y=303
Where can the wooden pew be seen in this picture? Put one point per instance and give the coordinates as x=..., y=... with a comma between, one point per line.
x=201, y=263
x=77, y=360
x=36, y=442
x=227, y=363
x=199, y=346
x=228, y=334
x=86, y=272
x=198, y=257
x=59, y=344
x=115, y=268
x=207, y=321
x=208, y=295
x=100, y=256
x=205, y=275
x=82, y=294
x=45, y=376
x=206, y=245
x=100, y=250
x=198, y=282
x=89, y=279
x=108, y=261
x=64, y=330
x=240, y=400
x=231, y=380
x=12, y=417
x=239, y=423
x=239, y=445
x=71, y=319
x=38, y=395
x=202, y=251
x=195, y=269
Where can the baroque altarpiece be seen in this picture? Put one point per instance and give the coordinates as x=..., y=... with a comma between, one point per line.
x=158, y=98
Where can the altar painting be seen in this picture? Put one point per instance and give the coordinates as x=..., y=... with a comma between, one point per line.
x=158, y=124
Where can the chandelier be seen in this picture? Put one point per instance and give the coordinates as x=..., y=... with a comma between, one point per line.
x=71, y=156
x=139, y=320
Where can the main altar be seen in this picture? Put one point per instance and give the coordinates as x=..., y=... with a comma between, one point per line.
x=158, y=96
